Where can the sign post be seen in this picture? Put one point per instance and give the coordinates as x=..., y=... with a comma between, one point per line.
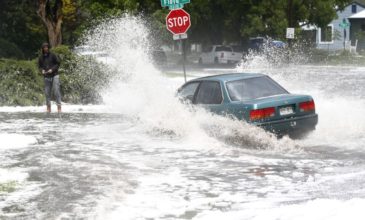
x=290, y=35
x=178, y=23
x=344, y=24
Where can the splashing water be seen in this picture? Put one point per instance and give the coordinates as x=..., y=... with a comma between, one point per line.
x=142, y=92
x=335, y=89
x=272, y=57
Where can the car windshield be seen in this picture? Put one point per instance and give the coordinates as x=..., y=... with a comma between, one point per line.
x=253, y=88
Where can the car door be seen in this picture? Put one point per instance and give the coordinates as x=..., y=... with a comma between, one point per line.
x=209, y=96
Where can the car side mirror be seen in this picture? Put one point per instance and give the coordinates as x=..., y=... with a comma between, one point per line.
x=189, y=98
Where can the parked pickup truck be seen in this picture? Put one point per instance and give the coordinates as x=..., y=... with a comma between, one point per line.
x=220, y=54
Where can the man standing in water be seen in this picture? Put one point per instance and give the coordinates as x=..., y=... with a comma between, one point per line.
x=48, y=64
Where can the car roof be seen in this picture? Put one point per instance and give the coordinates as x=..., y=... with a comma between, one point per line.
x=229, y=77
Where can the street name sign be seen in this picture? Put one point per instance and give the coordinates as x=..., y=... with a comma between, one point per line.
x=180, y=36
x=344, y=24
x=174, y=4
x=178, y=21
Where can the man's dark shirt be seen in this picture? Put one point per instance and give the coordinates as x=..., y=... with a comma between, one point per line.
x=49, y=61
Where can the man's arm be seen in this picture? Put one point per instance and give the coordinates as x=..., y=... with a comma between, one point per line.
x=55, y=63
x=40, y=66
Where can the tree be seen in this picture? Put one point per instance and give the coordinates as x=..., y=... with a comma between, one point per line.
x=71, y=21
x=20, y=25
x=213, y=21
x=50, y=11
x=208, y=21
x=267, y=17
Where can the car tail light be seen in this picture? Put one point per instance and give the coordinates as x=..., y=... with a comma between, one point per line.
x=222, y=55
x=262, y=113
x=307, y=106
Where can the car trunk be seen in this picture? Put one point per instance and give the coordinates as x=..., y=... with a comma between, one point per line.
x=279, y=107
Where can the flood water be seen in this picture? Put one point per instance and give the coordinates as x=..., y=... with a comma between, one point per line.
x=144, y=155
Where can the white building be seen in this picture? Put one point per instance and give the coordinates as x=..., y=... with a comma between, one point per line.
x=336, y=35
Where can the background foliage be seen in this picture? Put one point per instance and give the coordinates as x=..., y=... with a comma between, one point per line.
x=81, y=80
x=213, y=21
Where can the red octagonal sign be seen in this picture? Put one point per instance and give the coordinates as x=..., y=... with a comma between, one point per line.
x=178, y=21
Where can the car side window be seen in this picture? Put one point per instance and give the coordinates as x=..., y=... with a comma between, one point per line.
x=209, y=93
x=188, y=91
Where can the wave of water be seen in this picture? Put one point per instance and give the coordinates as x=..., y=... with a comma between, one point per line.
x=337, y=92
x=316, y=210
x=141, y=91
x=14, y=141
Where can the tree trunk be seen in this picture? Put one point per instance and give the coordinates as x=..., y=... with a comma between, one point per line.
x=52, y=17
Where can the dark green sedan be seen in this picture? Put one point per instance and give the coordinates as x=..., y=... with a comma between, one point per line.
x=255, y=98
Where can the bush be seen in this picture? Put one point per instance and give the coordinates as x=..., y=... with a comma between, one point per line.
x=10, y=50
x=339, y=57
x=81, y=80
x=20, y=83
x=318, y=55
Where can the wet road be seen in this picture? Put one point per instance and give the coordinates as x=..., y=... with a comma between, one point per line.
x=165, y=162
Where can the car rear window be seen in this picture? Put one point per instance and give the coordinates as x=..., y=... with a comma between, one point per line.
x=254, y=88
x=223, y=48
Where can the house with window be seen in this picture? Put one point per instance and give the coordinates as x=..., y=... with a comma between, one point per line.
x=357, y=30
x=336, y=35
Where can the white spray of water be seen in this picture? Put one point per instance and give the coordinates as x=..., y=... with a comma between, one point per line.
x=318, y=209
x=12, y=176
x=341, y=121
x=335, y=89
x=13, y=141
x=142, y=92
x=271, y=57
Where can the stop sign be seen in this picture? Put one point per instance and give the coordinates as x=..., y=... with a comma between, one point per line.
x=178, y=21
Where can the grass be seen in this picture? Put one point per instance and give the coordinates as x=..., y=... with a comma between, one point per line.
x=8, y=187
x=338, y=58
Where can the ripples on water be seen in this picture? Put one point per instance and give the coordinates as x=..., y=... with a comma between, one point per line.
x=143, y=155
